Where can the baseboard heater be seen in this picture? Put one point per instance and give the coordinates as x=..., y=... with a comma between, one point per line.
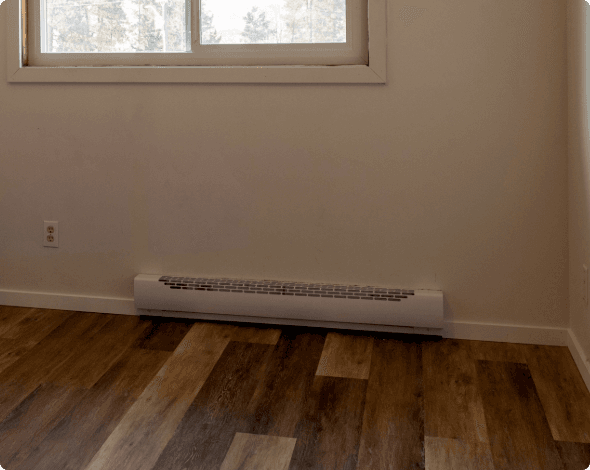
x=342, y=306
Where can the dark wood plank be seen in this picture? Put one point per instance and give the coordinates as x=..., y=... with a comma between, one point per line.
x=164, y=334
x=33, y=419
x=9, y=316
x=574, y=455
x=520, y=437
x=452, y=403
x=22, y=377
x=328, y=435
x=441, y=453
x=99, y=352
x=36, y=325
x=277, y=404
x=393, y=423
x=10, y=351
x=207, y=430
x=492, y=351
x=562, y=391
x=75, y=439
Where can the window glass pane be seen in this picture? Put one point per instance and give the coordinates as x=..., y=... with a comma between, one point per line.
x=114, y=26
x=273, y=21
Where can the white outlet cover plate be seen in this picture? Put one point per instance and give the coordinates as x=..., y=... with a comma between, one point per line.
x=55, y=242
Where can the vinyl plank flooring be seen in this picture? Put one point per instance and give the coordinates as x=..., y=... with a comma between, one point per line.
x=520, y=438
x=492, y=351
x=346, y=355
x=79, y=434
x=28, y=372
x=163, y=334
x=10, y=351
x=33, y=419
x=260, y=335
x=206, y=432
x=451, y=454
x=255, y=452
x=393, y=423
x=562, y=391
x=574, y=455
x=144, y=431
x=99, y=353
x=452, y=404
x=9, y=316
x=329, y=432
x=35, y=325
x=277, y=404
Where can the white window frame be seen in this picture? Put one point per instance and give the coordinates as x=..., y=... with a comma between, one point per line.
x=19, y=70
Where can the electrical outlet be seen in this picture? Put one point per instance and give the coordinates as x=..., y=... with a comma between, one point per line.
x=585, y=284
x=50, y=234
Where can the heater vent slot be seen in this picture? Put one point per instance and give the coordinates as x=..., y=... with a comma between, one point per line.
x=300, y=289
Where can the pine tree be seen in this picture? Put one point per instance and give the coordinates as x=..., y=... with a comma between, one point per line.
x=257, y=28
x=208, y=32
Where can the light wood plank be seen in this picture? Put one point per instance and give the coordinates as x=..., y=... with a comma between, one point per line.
x=346, y=355
x=393, y=422
x=562, y=391
x=255, y=452
x=452, y=403
x=451, y=454
x=144, y=431
x=520, y=438
x=36, y=325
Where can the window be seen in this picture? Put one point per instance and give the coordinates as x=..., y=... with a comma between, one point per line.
x=245, y=41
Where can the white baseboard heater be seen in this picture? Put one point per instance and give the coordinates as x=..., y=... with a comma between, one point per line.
x=298, y=303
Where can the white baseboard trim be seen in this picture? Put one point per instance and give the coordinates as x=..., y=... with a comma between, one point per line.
x=545, y=335
x=580, y=358
x=78, y=303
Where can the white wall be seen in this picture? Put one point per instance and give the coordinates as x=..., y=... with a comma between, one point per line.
x=451, y=176
x=578, y=35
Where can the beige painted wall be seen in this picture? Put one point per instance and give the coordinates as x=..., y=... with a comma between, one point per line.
x=452, y=176
x=578, y=166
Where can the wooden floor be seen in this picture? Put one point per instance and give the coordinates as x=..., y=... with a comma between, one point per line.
x=85, y=391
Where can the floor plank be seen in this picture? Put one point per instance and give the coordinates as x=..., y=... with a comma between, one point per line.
x=346, y=355
x=19, y=379
x=393, y=423
x=101, y=350
x=35, y=325
x=206, y=432
x=79, y=434
x=144, y=431
x=562, y=391
x=452, y=404
x=163, y=334
x=9, y=316
x=278, y=401
x=329, y=432
x=441, y=453
x=10, y=351
x=515, y=418
x=492, y=351
x=254, y=452
x=574, y=455
x=33, y=419
x=258, y=334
